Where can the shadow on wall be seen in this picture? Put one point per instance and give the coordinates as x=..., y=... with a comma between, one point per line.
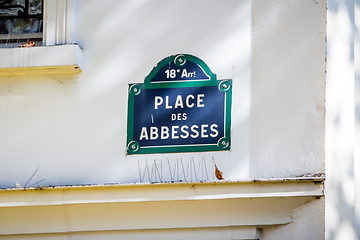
x=76, y=129
x=340, y=187
x=141, y=34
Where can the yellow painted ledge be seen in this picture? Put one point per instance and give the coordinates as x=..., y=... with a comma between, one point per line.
x=40, y=70
x=40, y=60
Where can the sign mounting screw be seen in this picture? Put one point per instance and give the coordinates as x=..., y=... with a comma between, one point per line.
x=180, y=60
x=133, y=147
x=224, y=85
x=135, y=90
x=223, y=143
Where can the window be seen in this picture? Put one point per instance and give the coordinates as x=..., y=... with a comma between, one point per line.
x=56, y=51
x=21, y=21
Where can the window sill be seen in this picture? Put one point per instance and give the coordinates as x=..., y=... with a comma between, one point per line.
x=39, y=60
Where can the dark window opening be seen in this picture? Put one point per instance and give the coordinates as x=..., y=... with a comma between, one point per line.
x=21, y=21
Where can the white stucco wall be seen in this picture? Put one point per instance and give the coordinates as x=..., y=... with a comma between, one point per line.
x=307, y=223
x=73, y=127
x=287, y=88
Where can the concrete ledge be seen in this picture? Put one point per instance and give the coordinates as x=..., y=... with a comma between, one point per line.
x=43, y=59
x=182, y=191
x=153, y=206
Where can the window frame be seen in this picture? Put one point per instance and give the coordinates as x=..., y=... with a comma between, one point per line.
x=58, y=22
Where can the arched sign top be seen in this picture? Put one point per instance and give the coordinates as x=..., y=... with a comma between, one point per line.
x=180, y=69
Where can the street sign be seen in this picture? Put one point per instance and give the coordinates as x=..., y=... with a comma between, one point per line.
x=180, y=107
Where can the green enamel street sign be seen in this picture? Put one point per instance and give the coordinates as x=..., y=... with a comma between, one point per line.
x=180, y=107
